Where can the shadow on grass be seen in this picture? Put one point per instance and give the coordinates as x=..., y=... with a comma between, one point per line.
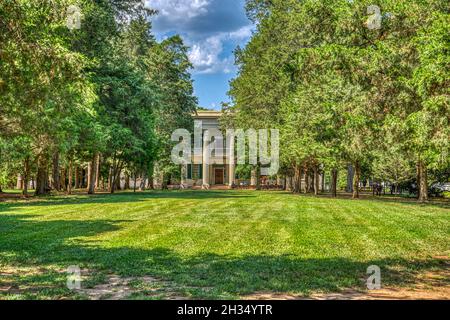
x=125, y=197
x=36, y=244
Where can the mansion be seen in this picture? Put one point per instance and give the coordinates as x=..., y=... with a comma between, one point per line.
x=206, y=175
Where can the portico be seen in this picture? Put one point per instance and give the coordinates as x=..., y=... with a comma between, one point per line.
x=217, y=169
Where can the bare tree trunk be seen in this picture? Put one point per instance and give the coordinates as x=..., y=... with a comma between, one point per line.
x=334, y=179
x=258, y=178
x=316, y=180
x=151, y=182
x=26, y=173
x=115, y=175
x=143, y=180
x=77, y=178
x=127, y=182
x=92, y=175
x=69, y=185
x=423, y=182
x=118, y=180
x=63, y=180
x=350, y=174
x=135, y=182
x=300, y=180
x=165, y=184
x=55, y=173
x=297, y=187
x=356, y=179
x=89, y=175
x=41, y=178
x=322, y=187
x=311, y=181
x=110, y=179
x=97, y=172
x=306, y=179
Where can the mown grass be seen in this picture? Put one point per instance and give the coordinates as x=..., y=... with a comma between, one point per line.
x=217, y=244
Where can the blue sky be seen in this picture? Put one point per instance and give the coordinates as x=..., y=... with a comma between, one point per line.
x=212, y=29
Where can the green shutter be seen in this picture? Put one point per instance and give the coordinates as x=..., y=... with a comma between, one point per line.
x=200, y=170
x=189, y=171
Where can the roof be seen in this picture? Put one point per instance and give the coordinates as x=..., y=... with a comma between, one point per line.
x=207, y=114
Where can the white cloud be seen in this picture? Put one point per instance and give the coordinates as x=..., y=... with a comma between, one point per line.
x=205, y=55
x=242, y=34
x=179, y=10
x=208, y=28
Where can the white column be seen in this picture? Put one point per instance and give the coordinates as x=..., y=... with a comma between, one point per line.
x=206, y=161
x=253, y=178
x=231, y=162
x=184, y=169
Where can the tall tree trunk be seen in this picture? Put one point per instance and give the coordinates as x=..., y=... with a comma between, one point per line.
x=423, y=182
x=90, y=171
x=258, y=178
x=311, y=181
x=1, y=190
x=356, y=179
x=127, y=182
x=151, y=182
x=77, y=178
x=69, y=185
x=350, y=174
x=135, y=182
x=118, y=182
x=322, y=187
x=110, y=179
x=97, y=172
x=143, y=181
x=297, y=187
x=92, y=174
x=63, y=180
x=334, y=179
x=165, y=182
x=41, y=178
x=26, y=174
x=55, y=173
x=300, y=180
x=306, y=179
x=115, y=173
x=316, y=180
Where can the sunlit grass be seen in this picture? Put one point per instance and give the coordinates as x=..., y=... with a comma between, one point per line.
x=217, y=244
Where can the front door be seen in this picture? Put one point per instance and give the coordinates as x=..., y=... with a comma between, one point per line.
x=218, y=178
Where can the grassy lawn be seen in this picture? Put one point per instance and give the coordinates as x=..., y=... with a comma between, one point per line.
x=216, y=244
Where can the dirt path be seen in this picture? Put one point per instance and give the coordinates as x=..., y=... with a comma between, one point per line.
x=428, y=286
